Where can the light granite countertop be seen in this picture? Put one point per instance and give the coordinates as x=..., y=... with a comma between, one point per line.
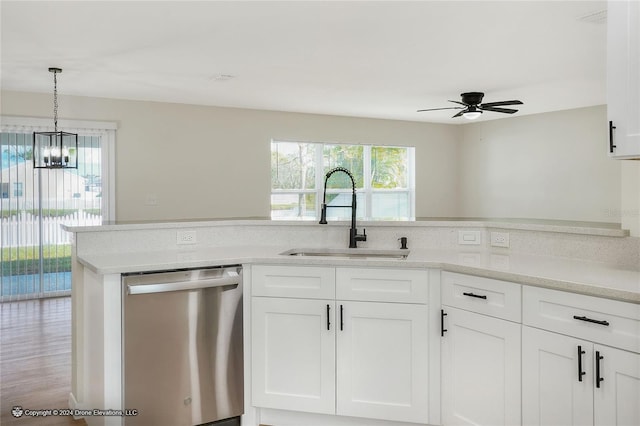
x=557, y=226
x=590, y=278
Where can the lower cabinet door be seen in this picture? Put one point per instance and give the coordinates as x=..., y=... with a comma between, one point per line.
x=480, y=370
x=293, y=354
x=557, y=379
x=382, y=361
x=617, y=397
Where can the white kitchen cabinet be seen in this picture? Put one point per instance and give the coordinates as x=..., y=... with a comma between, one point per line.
x=304, y=282
x=609, y=322
x=623, y=78
x=382, y=285
x=487, y=296
x=480, y=369
x=560, y=383
x=345, y=357
x=557, y=379
x=554, y=390
x=617, y=399
x=293, y=354
x=382, y=359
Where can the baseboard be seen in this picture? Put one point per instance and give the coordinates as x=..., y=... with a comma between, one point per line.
x=73, y=405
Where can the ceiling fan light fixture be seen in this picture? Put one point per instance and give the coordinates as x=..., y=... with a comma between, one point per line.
x=472, y=114
x=472, y=106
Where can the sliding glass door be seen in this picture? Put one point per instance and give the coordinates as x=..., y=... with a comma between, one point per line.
x=35, y=251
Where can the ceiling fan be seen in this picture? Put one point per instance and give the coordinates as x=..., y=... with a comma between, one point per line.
x=473, y=107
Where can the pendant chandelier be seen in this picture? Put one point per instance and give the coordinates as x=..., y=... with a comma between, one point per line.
x=55, y=150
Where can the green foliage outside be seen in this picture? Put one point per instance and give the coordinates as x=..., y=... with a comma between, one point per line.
x=292, y=166
x=347, y=156
x=388, y=167
x=19, y=151
x=25, y=260
x=304, y=199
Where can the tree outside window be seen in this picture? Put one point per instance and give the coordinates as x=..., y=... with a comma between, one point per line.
x=385, y=183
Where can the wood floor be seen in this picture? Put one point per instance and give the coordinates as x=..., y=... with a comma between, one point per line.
x=35, y=360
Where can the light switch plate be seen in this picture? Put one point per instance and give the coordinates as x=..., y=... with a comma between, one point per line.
x=469, y=237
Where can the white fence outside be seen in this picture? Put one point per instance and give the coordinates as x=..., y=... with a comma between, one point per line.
x=23, y=229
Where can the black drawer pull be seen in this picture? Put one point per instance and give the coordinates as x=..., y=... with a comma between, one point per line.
x=611, y=128
x=586, y=319
x=479, y=296
x=328, y=320
x=580, y=372
x=598, y=378
x=442, y=329
x=341, y=318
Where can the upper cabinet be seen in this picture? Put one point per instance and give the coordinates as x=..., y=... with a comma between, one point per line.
x=623, y=78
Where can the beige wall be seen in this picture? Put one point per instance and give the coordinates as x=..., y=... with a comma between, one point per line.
x=543, y=166
x=208, y=162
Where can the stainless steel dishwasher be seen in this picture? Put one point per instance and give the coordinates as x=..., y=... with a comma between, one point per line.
x=182, y=347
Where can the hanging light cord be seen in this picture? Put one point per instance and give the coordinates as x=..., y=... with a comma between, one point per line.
x=55, y=101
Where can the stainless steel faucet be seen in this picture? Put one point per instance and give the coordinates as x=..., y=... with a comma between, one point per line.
x=354, y=237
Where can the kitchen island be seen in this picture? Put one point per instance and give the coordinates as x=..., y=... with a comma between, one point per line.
x=592, y=262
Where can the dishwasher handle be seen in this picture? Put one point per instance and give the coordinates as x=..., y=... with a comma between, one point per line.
x=230, y=278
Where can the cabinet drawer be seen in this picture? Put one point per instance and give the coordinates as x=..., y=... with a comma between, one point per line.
x=304, y=282
x=382, y=285
x=500, y=299
x=605, y=321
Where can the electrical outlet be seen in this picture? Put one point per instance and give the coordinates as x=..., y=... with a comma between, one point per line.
x=186, y=237
x=500, y=239
x=151, y=200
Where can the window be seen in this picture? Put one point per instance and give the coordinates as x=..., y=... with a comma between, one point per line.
x=17, y=189
x=384, y=177
x=35, y=251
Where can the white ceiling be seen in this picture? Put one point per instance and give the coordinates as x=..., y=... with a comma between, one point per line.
x=355, y=58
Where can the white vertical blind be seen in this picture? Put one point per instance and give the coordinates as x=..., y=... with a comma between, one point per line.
x=35, y=251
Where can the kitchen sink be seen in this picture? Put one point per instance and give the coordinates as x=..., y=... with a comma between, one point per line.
x=357, y=253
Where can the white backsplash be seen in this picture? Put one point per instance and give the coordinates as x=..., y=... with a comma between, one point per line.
x=618, y=251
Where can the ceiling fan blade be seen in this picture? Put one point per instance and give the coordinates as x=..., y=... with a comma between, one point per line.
x=492, y=104
x=504, y=110
x=458, y=102
x=459, y=114
x=436, y=109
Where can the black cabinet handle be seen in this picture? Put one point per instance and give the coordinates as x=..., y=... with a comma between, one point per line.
x=442, y=329
x=586, y=319
x=598, y=378
x=479, y=296
x=328, y=320
x=341, y=318
x=580, y=372
x=611, y=128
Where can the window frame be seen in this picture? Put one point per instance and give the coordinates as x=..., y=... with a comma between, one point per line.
x=367, y=190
